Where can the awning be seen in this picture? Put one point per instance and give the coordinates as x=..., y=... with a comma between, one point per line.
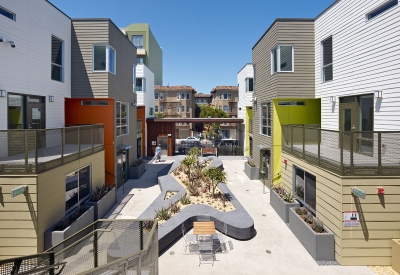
x=124, y=147
x=263, y=147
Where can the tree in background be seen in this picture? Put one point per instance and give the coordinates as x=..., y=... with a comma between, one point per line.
x=159, y=115
x=212, y=112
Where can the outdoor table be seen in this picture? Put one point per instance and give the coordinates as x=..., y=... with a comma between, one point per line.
x=203, y=228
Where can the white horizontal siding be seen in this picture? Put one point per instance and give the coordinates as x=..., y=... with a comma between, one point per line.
x=366, y=58
x=146, y=98
x=28, y=69
x=244, y=97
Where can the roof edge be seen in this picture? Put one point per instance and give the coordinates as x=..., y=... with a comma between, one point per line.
x=244, y=66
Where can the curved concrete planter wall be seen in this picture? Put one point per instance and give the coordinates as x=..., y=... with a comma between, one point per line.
x=252, y=173
x=240, y=224
x=321, y=246
x=104, y=205
x=136, y=172
x=51, y=237
x=280, y=206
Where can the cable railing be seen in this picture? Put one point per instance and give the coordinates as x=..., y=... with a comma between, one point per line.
x=35, y=151
x=347, y=153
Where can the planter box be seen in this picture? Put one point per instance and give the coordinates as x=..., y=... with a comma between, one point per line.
x=396, y=255
x=280, y=206
x=252, y=173
x=136, y=172
x=51, y=237
x=103, y=205
x=321, y=246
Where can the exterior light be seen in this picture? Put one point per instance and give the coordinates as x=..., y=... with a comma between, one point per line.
x=333, y=99
x=2, y=93
x=51, y=98
x=378, y=94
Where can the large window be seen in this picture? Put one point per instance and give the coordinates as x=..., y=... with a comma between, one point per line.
x=122, y=118
x=8, y=13
x=178, y=96
x=151, y=111
x=77, y=187
x=156, y=109
x=56, y=59
x=187, y=96
x=225, y=96
x=266, y=119
x=249, y=84
x=182, y=109
x=141, y=84
x=225, y=108
x=384, y=7
x=103, y=59
x=226, y=133
x=161, y=96
x=282, y=59
x=139, y=60
x=161, y=108
x=156, y=96
x=304, y=185
x=137, y=40
x=327, y=60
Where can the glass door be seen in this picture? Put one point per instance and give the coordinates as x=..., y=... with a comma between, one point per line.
x=35, y=112
x=265, y=171
x=348, y=120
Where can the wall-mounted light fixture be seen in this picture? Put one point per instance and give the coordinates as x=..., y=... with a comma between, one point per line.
x=378, y=94
x=2, y=39
x=51, y=98
x=133, y=103
x=3, y=93
x=254, y=100
x=333, y=99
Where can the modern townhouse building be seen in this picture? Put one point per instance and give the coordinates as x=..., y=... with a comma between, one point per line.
x=42, y=162
x=226, y=98
x=103, y=62
x=357, y=146
x=149, y=51
x=176, y=102
x=284, y=89
x=245, y=79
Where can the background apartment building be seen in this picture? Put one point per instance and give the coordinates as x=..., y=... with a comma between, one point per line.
x=226, y=98
x=245, y=106
x=176, y=102
x=202, y=99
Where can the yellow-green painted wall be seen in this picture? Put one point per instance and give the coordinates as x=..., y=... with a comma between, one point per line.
x=249, y=117
x=308, y=114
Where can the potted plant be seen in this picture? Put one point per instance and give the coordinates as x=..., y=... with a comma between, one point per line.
x=281, y=200
x=316, y=238
x=250, y=169
x=137, y=169
x=102, y=199
x=396, y=255
x=72, y=223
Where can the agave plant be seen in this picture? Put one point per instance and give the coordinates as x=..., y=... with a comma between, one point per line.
x=193, y=189
x=163, y=214
x=100, y=192
x=174, y=208
x=308, y=218
x=318, y=226
x=288, y=197
x=137, y=162
x=185, y=200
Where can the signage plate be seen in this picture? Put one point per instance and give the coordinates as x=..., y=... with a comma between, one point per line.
x=358, y=193
x=18, y=191
x=351, y=218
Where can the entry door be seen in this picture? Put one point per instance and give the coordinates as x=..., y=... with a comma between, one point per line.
x=35, y=112
x=265, y=167
x=164, y=145
x=348, y=121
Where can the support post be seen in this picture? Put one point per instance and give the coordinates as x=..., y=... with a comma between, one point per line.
x=141, y=234
x=379, y=153
x=51, y=262
x=319, y=147
x=341, y=137
x=62, y=146
x=304, y=142
x=95, y=249
x=26, y=151
x=351, y=153
x=36, y=150
x=79, y=142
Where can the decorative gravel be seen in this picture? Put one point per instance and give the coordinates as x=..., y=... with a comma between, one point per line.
x=383, y=270
x=327, y=263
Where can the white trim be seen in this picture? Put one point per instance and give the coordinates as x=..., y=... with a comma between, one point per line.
x=127, y=118
x=62, y=58
x=107, y=70
x=278, y=59
x=261, y=118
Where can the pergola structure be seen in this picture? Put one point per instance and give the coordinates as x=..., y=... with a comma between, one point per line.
x=165, y=128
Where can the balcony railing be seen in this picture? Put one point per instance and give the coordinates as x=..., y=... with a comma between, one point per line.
x=38, y=151
x=345, y=153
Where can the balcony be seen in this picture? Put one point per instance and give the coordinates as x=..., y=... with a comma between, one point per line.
x=342, y=152
x=24, y=152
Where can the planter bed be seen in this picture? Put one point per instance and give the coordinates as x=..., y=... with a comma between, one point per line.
x=52, y=237
x=137, y=172
x=321, y=246
x=102, y=206
x=253, y=173
x=280, y=206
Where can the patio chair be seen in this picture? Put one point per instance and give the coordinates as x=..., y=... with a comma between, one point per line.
x=221, y=235
x=206, y=252
x=190, y=241
x=203, y=218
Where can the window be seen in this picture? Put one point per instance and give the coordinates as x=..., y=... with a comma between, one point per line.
x=225, y=108
x=134, y=76
x=291, y=103
x=16, y=111
x=8, y=14
x=254, y=77
x=139, y=60
x=187, y=96
x=183, y=96
x=231, y=108
x=220, y=96
x=178, y=109
x=161, y=96
x=141, y=84
x=230, y=97
x=156, y=109
x=266, y=119
x=137, y=40
x=103, y=59
x=151, y=111
x=327, y=60
x=282, y=59
x=220, y=107
x=156, y=96
x=226, y=133
x=161, y=108
x=204, y=101
x=94, y=102
x=182, y=109
x=249, y=84
x=178, y=96
x=225, y=96
x=384, y=7
x=77, y=187
x=122, y=118
x=187, y=109
x=304, y=185
x=56, y=59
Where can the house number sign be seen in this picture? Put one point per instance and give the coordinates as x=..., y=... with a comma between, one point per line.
x=358, y=193
x=18, y=191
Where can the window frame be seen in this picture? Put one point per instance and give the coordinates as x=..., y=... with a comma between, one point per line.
x=322, y=60
x=248, y=84
x=382, y=8
x=178, y=96
x=156, y=108
x=151, y=111
x=156, y=97
x=268, y=105
x=14, y=16
x=187, y=109
x=278, y=59
x=294, y=192
x=80, y=201
x=143, y=79
x=138, y=46
x=187, y=96
x=182, y=108
x=126, y=116
x=107, y=70
x=161, y=96
x=161, y=108
x=62, y=59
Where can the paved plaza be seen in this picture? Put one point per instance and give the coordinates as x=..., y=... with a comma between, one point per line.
x=274, y=250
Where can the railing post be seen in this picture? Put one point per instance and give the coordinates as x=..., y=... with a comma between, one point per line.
x=141, y=234
x=379, y=153
x=291, y=139
x=140, y=265
x=92, y=137
x=62, y=145
x=26, y=150
x=351, y=153
x=51, y=262
x=36, y=151
x=95, y=249
x=341, y=137
x=319, y=147
x=304, y=142
x=79, y=142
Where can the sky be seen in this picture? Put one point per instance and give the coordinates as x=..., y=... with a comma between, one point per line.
x=205, y=43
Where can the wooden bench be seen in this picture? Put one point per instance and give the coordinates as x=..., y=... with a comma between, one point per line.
x=209, y=151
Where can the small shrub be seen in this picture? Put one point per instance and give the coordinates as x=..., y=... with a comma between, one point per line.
x=298, y=210
x=318, y=226
x=147, y=226
x=100, y=192
x=163, y=214
x=137, y=162
x=193, y=190
x=251, y=162
x=68, y=221
x=174, y=208
x=185, y=200
x=309, y=218
x=288, y=197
